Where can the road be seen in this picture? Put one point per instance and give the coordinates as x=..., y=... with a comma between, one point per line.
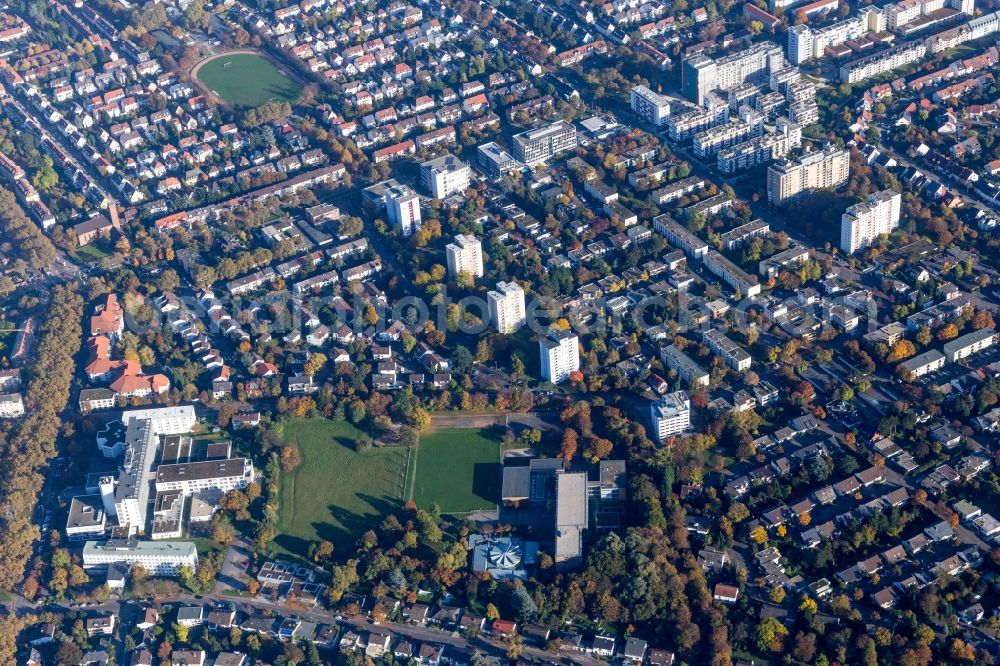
x=129, y=610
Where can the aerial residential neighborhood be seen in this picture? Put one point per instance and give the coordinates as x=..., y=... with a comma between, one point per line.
x=500, y=333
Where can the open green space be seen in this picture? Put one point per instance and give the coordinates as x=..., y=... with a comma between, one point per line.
x=248, y=79
x=337, y=493
x=459, y=469
x=91, y=253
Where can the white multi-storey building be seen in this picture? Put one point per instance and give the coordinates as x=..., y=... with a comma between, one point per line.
x=806, y=43
x=465, y=254
x=969, y=344
x=735, y=356
x=814, y=170
x=718, y=138
x=193, y=477
x=882, y=62
x=506, y=303
x=763, y=149
x=538, y=145
x=670, y=415
x=864, y=222
x=685, y=125
x=126, y=494
x=159, y=558
x=560, y=355
x=737, y=278
x=494, y=160
x=402, y=205
x=445, y=176
x=650, y=106
x=701, y=74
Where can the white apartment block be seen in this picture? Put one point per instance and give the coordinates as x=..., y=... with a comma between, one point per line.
x=977, y=28
x=685, y=125
x=738, y=279
x=538, y=145
x=735, y=356
x=763, y=149
x=670, y=415
x=685, y=367
x=718, y=138
x=465, y=254
x=923, y=364
x=560, y=355
x=445, y=176
x=901, y=14
x=806, y=43
x=882, y=62
x=402, y=205
x=969, y=344
x=680, y=236
x=827, y=168
x=863, y=223
x=702, y=75
x=506, y=303
x=159, y=558
x=194, y=477
x=650, y=106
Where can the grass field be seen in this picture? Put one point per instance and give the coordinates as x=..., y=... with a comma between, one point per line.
x=459, y=469
x=248, y=79
x=336, y=493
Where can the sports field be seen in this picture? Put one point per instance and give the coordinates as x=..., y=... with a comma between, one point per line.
x=459, y=469
x=336, y=494
x=247, y=79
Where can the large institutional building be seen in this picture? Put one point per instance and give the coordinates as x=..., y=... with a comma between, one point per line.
x=815, y=170
x=538, y=145
x=159, y=558
x=864, y=222
x=465, y=254
x=445, y=176
x=670, y=415
x=560, y=355
x=506, y=303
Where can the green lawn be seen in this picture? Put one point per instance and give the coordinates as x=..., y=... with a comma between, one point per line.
x=336, y=493
x=459, y=469
x=91, y=253
x=248, y=79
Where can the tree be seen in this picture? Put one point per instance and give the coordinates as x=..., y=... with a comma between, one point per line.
x=805, y=647
x=777, y=594
x=523, y=605
x=771, y=635
x=947, y=332
x=982, y=319
x=315, y=363
x=901, y=350
x=569, y=445
x=759, y=535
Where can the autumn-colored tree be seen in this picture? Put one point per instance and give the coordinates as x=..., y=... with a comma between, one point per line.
x=983, y=319
x=947, y=332
x=569, y=445
x=901, y=350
